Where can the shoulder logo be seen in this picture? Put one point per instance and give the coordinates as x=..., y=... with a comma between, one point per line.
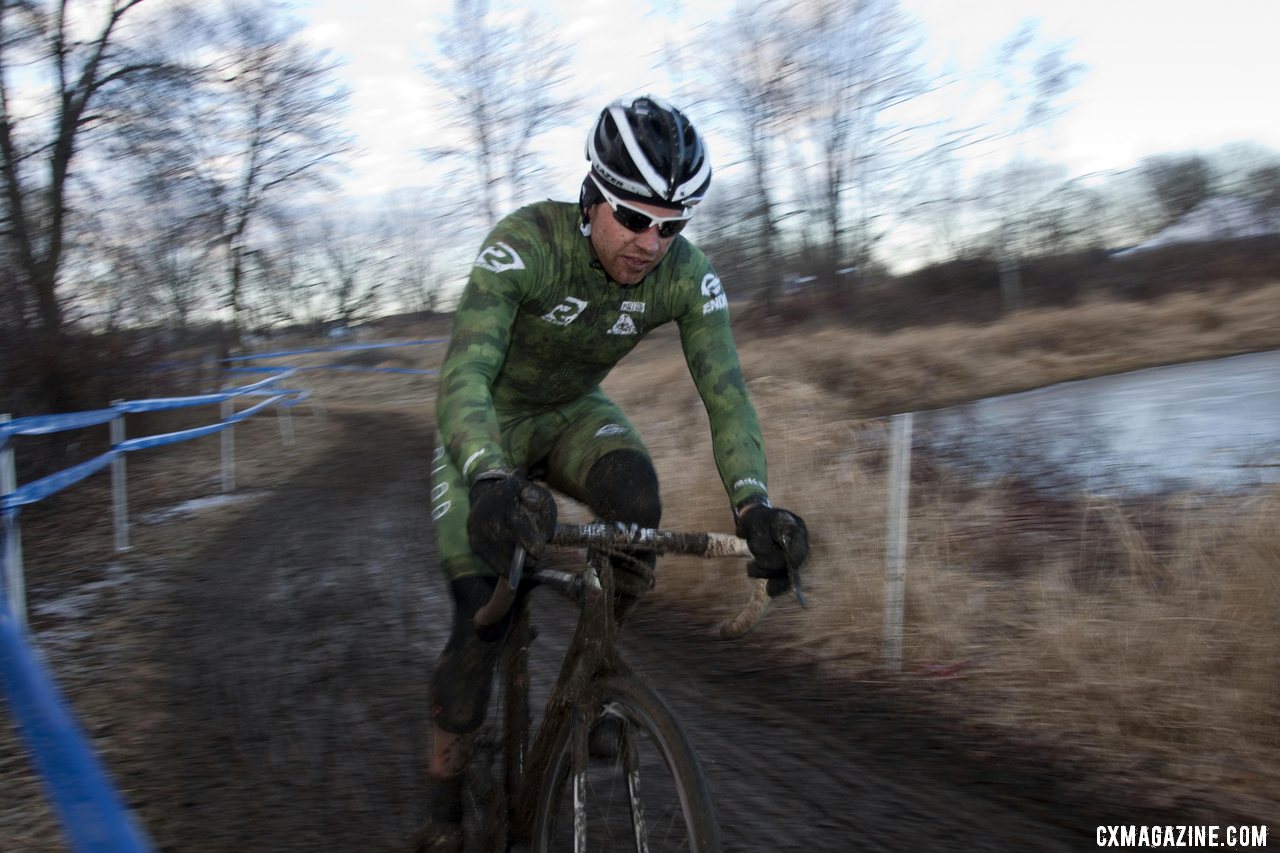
x=499, y=257
x=714, y=291
x=566, y=312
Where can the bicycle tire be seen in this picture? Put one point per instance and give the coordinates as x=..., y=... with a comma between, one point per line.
x=677, y=812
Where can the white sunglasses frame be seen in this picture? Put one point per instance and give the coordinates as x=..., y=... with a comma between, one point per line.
x=614, y=203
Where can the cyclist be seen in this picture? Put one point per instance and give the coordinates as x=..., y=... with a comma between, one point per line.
x=557, y=296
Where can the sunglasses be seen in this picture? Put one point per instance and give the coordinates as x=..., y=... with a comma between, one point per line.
x=636, y=220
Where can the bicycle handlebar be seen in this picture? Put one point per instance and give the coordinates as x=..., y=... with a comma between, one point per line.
x=622, y=537
x=635, y=538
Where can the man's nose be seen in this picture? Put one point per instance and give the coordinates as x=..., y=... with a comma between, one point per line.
x=648, y=239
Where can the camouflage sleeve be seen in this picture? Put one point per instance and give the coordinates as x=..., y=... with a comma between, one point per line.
x=713, y=362
x=477, y=348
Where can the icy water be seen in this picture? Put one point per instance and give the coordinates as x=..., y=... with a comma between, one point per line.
x=1204, y=426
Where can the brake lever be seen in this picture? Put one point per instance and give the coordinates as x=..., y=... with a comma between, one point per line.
x=517, y=568
x=793, y=575
x=793, y=572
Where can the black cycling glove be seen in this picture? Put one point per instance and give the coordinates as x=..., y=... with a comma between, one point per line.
x=779, y=542
x=509, y=510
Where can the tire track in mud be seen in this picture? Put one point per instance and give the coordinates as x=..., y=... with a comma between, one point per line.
x=299, y=656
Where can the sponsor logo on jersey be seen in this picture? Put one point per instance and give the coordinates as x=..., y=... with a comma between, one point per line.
x=632, y=307
x=566, y=312
x=714, y=291
x=499, y=258
x=624, y=326
x=440, y=504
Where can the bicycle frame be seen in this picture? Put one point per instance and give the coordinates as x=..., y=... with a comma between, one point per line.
x=592, y=650
x=592, y=655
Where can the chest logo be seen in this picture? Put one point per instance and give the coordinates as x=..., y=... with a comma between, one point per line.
x=624, y=326
x=499, y=258
x=566, y=312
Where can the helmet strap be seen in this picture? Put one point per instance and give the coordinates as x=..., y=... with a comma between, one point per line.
x=588, y=197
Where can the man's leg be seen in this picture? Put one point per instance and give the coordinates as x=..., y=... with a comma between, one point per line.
x=600, y=460
x=623, y=486
x=463, y=673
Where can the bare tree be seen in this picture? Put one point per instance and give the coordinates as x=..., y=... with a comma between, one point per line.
x=260, y=125
x=412, y=228
x=278, y=104
x=1178, y=183
x=860, y=62
x=755, y=67
x=1035, y=78
x=77, y=66
x=351, y=268
x=498, y=74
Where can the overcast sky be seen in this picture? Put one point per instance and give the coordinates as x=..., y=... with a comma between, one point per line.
x=1163, y=76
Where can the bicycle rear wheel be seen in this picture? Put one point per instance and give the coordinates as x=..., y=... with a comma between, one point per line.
x=649, y=795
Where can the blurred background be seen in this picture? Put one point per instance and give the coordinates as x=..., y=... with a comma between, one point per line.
x=178, y=172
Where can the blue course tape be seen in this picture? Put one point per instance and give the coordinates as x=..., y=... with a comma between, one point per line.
x=93, y=815
x=337, y=348
x=159, y=404
x=347, y=367
x=144, y=442
x=38, y=490
x=44, y=424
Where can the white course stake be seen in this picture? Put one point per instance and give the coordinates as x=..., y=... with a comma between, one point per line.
x=896, y=540
x=14, y=584
x=119, y=486
x=228, y=448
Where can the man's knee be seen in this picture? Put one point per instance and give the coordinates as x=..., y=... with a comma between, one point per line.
x=623, y=486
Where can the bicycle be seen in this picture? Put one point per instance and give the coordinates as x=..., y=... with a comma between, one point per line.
x=642, y=788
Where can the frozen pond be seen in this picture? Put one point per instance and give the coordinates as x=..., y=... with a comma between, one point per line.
x=1209, y=425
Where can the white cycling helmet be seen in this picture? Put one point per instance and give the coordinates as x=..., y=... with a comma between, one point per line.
x=646, y=149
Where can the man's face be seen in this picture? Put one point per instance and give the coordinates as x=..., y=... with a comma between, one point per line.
x=628, y=256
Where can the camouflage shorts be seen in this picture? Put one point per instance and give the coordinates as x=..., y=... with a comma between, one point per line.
x=566, y=442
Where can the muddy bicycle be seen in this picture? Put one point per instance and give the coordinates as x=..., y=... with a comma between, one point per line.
x=609, y=767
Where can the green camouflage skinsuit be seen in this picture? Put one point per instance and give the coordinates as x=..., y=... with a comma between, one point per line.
x=539, y=326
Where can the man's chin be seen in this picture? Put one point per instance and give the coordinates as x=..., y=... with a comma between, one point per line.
x=629, y=277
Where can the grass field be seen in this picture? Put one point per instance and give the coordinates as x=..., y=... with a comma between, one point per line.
x=1144, y=634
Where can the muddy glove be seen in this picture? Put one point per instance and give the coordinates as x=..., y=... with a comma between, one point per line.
x=779, y=542
x=509, y=509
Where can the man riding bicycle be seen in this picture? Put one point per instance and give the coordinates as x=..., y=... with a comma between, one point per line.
x=557, y=296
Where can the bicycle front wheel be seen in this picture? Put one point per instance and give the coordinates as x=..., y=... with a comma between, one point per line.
x=624, y=776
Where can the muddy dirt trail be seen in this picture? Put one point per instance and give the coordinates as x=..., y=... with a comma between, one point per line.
x=295, y=652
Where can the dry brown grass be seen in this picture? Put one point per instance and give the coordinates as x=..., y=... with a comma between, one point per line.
x=935, y=366
x=1143, y=635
